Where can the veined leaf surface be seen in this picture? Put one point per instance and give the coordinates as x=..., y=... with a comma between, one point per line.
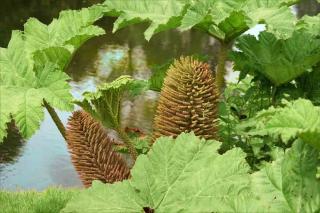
x=104, y=104
x=172, y=178
x=24, y=86
x=299, y=183
x=224, y=19
x=32, y=67
x=267, y=186
x=188, y=175
x=310, y=24
x=289, y=185
x=280, y=60
x=57, y=41
x=298, y=119
x=163, y=14
x=227, y=19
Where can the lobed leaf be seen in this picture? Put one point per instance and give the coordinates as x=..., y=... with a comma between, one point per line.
x=172, y=178
x=224, y=19
x=300, y=186
x=309, y=83
x=188, y=175
x=31, y=67
x=162, y=15
x=24, y=86
x=310, y=24
x=57, y=41
x=280, y=60
x=289, y=185
x=267, y=186
x=297, y=119
x=106, y=198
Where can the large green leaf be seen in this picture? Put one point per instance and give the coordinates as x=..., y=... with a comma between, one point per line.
x=53, y=86
x=32, y=67
x=56, y=55
x=163, y=15
x=300, y=186
x=182, y=175
x=289, y=185
x=310, y=24
x=267, y=186
x=24, y=86
x=188, y=175
x=6, y=99
x=15, y=62
x=224, y=19
x=309, y=83
x=297, y=119
x=57, y=41
x=106, y=198
x=279, y=60
x=228, y=19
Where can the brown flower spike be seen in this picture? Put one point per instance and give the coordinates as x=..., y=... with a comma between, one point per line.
x=91, y=151
x=188, y=101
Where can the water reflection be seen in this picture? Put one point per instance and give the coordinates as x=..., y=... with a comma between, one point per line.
x=42, y=162
x=111, y=58
x=11, y=147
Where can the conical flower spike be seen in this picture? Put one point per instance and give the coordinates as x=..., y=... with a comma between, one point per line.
x=91, y=151
x=188, y=101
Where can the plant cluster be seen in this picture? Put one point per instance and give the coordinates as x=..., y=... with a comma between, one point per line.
x=251, y=146
x=32, y=68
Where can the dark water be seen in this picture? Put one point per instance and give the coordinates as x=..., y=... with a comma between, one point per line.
x=43, y=160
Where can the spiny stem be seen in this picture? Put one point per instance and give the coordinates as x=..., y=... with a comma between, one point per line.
x=221, y=66
x=55, y=118
x=130, y=55
x=128, y=142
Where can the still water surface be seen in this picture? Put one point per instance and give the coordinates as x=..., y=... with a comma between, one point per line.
x=43, y=160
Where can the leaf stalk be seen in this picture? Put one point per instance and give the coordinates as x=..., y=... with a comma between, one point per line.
x=221, y=66
x=55, y=118
x=274, y=93
x=128, y=142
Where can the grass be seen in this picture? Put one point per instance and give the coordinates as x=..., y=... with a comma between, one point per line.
x=51, y=200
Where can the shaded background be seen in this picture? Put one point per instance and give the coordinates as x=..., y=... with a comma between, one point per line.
x=43, y=160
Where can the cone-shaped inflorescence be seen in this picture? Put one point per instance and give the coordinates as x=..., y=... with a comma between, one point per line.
x=91, y=151
x=188, y=101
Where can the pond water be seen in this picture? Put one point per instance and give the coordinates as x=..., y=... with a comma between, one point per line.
x=43, y=160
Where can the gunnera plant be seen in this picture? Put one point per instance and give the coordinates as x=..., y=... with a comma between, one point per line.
x=188, y=101
x=92, y=151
